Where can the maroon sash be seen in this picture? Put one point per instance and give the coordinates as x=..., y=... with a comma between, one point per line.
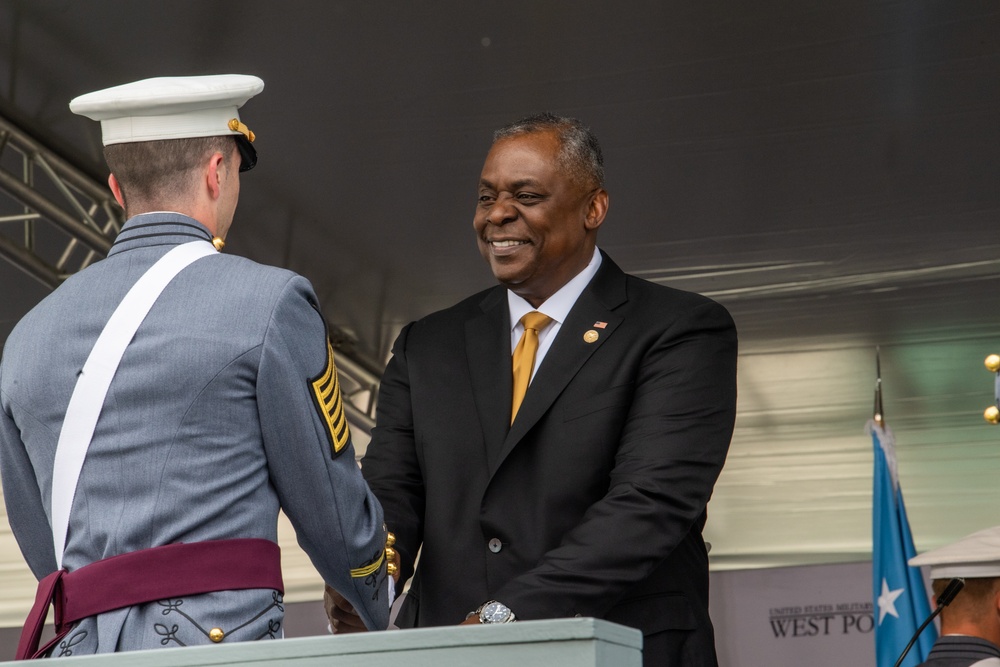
x=170, y=571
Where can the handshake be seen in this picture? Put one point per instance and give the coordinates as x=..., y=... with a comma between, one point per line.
x=344, y=619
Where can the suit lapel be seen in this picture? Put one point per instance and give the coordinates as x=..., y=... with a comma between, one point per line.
x=487, y=344
x=569, y=351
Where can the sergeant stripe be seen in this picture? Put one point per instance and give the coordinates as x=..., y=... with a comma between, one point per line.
x=326, y=389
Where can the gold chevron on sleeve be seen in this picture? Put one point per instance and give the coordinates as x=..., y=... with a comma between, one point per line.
x=372, y=568
x=330, y=405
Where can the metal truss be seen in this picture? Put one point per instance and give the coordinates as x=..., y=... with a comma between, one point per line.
x=359, y=376
x=56, y=220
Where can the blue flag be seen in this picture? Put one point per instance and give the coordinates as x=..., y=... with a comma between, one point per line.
x=901, y=602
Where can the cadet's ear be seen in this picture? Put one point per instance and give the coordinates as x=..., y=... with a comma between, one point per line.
x=214, y=175
x=116, y=190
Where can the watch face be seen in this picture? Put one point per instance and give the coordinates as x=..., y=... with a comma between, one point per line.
x=494, y=612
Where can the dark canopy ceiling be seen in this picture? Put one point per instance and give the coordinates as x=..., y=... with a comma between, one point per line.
x=829, y=171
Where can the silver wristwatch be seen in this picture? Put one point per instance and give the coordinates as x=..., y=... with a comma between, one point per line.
x=495, y=612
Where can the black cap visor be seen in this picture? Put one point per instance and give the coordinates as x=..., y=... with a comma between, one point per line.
x=248, y=153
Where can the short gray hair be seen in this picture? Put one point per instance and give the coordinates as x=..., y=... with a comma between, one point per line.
x=580, y=153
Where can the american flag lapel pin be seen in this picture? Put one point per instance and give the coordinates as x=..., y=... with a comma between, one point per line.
x=600, y=325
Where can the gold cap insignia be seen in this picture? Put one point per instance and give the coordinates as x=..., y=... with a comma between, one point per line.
x=236, y=126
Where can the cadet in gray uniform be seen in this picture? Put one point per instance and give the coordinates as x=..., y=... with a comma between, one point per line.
x=970, y=625
x=225, y=406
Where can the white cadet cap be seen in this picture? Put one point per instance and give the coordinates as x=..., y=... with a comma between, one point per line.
x=170, y=107
x=975, y=556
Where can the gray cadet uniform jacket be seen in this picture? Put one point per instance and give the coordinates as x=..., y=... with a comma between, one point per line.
x=962, y=651
x=211, y=424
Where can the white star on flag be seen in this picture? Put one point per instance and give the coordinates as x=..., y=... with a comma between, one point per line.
x=887, y=601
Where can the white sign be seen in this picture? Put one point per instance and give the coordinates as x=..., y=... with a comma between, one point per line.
x=817, y=615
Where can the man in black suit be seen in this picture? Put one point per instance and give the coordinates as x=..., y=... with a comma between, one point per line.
x=587, y=499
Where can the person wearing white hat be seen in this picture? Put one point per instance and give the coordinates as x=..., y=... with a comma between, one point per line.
x=970, y=625
x=160, y=406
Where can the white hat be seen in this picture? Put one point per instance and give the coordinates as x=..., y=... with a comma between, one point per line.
x=177, y=107
x=975, y=556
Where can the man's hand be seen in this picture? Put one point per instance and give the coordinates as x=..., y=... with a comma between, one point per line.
x=472, y=620
x=343, y=619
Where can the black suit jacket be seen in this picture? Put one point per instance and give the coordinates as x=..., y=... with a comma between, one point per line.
x=592, y=503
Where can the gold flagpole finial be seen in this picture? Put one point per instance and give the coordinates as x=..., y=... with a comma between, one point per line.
x=878, y=414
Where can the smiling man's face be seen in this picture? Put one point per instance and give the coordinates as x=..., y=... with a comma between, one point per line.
x=536, y=225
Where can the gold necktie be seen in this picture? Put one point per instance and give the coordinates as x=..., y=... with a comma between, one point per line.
x=524, y=356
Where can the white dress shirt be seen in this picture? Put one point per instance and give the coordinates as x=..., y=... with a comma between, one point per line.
x=556, y=306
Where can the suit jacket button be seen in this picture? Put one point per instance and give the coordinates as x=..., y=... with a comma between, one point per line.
x=496, y=545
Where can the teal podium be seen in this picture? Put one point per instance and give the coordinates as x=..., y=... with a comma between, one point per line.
x=581, y=642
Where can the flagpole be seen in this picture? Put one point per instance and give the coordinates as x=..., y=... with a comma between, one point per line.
x=900, y=599
x=878, y=414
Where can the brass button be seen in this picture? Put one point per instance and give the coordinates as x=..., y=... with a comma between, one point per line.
x=216, y=635
x=496, y=545
x=993, y=363
x=992, y=415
